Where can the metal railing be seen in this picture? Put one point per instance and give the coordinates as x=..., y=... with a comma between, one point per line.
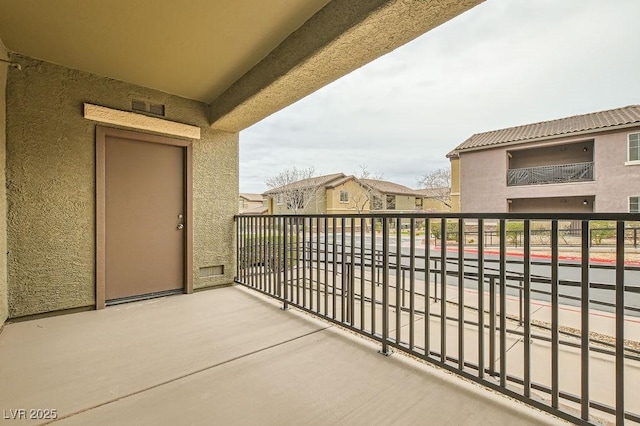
x=577, y=172
x=493, y=319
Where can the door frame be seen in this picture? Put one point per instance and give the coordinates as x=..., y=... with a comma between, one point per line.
x=102, y=133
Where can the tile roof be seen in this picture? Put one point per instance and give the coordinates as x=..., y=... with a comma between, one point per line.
x=254, y=210
x=386, y=187
x=340, y=181
x=433, y=192
x=251, y=197
x=315, y=181
x=595, y=121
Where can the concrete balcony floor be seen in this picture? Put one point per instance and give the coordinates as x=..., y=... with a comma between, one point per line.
x=227, y=356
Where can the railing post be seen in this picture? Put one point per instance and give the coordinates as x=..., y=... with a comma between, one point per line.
x=285, y=249
x=385, y=289
x=492, y=326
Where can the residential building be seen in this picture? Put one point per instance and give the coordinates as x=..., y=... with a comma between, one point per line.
x=306, y=196
x=434, y=200
x=340, y=194
x=393, y=197
x=583, y=163
x=249, y=203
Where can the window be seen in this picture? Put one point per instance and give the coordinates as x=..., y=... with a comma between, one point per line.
x=279, y=199
x=344, y=197
x=418, y=203
x=634, y=147
x=377, y=203
x=634, y=204
x=391, y=202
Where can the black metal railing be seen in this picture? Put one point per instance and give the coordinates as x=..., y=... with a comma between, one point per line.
x=563, y=173
x=557, y=334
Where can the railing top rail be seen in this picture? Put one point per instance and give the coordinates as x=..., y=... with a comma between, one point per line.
x=630, y=217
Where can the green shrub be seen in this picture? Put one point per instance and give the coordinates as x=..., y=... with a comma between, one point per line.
x=452, y=230
x=601, y=229
x=514, y=232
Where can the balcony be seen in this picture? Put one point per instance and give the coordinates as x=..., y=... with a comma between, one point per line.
x=563, y=173
x=554, y=327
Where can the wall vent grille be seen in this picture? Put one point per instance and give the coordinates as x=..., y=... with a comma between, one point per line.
x=139, y=105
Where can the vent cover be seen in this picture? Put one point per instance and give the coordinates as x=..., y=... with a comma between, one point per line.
x=211, y=271
x=147, y=107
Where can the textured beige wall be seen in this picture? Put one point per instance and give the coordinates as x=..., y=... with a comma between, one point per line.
x=615, y=180
x=357, y=196
x=51, y=185
x=405, y=203
x=455, y=184
x=4, y=69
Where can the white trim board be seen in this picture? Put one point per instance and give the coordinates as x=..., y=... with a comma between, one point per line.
x=139, y=121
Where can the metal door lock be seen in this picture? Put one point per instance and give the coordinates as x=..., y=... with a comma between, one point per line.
x=181, y=226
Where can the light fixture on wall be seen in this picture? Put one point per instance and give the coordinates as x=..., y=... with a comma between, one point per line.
x=12, y=64
x=585, y=202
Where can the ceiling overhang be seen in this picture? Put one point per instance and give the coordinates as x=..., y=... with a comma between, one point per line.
x=246, y=59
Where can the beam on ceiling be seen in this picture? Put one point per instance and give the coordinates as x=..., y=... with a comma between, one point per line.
x=341, y=37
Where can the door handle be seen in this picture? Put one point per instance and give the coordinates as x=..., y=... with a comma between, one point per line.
x=180, y=226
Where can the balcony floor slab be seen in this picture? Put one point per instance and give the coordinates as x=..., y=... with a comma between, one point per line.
x=227, y=356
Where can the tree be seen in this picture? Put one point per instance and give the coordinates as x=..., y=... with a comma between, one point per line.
x=295, y=188
x=361, y=198
x=439, y=183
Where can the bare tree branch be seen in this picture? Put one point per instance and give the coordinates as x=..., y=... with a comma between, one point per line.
x=295, y=188
x=439, y=183
x=361, y=199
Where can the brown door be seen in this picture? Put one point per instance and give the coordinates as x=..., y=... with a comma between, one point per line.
x=144, y=217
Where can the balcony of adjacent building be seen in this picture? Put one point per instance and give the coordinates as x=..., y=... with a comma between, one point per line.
x=556, y=164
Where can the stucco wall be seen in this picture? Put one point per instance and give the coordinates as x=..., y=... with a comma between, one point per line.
x=615, y=181
x=51, y=185
x=455, y=184
x=4, y=307
x=483, y=181
x=580, y=152
x=358, y=201
x=552, y=205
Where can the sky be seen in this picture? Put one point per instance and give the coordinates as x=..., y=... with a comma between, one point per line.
x=501, y=64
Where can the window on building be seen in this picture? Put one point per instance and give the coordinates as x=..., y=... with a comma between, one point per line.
x=279, y=199
x=418, y=203
x=634, y=204
x=377, y=203
x=344, y=197
x=634, y=147
x=391, y=202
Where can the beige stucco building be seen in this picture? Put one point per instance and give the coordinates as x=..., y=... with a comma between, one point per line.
x=584, y=163
x=341, y=194
x=96, y=98
x=249, y=203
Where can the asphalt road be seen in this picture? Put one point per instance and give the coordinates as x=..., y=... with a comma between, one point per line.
x=601, y=276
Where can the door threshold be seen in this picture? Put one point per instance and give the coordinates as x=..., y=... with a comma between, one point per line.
x=140, y=297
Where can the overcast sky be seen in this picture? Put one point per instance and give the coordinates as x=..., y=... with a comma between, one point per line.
x=504, y=63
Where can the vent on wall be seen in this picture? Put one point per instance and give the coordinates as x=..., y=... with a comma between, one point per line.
x=147, y=107
x=211, y=271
